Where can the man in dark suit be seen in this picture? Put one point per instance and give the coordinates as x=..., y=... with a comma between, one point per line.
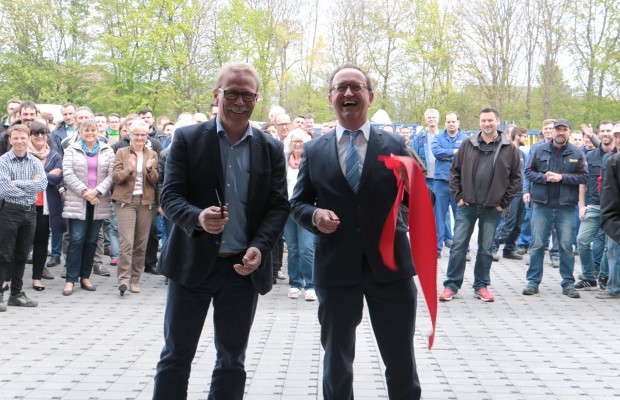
x=344, y=194
x=219, y=253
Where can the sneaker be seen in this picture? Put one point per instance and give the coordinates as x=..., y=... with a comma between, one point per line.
x=281, y=276
x=446, y=295
x=21, y=300
x=600, y=295
x=521, y=250
x=293, y=293
x=63, y=274
x=586, y=285
x=134, y=288
x=571, y=292
x=310, y=295
x=113, y=262
x=602, y=283
x=2, y=303
x=52, y=261
x=530, y=290
x=484, y=295
x=555, y=263
x=495, y=256
x=100, y=270
x=512, y=255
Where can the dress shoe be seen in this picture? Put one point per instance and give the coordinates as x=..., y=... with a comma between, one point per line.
x=90, y=288
x=122, y=288
x=151, y=270
x=46, y=274
x=512, y=256
x=38, y=288
x=52, y=261
x=134, y=288
x=68, y=292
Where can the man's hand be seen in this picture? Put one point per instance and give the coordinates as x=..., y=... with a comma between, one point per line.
x=326, y=221
x=526, y=198
x=499, y=208
x=251, y=261
x=212, y=219
x=582, y=213
x=461, y=202
x=161, y=211
x=553, y=177
x=587, y=130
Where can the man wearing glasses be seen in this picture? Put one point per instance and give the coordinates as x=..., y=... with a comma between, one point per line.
x=344, y=194
x=225, y=191
x=283, y=125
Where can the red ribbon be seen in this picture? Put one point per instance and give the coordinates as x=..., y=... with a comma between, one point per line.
x=422, y=231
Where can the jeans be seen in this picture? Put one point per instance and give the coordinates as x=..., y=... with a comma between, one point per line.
x=525, y=238
x=613, y=257
x=57, y=243
x=443, y=201
x=16, y=236
x=542, y=220
x=466, y=217
x=589, y=229
x=509, y=228
x=300, y=246
x=82, y=245
x=110, y=233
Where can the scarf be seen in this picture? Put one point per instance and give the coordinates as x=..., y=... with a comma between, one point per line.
x=40, y=154
x=292, y=162
x=90, y=153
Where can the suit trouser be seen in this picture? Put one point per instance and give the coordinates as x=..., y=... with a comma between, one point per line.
x=16, y=235
x=134, y=224
x=234, y=305
x=392, y=309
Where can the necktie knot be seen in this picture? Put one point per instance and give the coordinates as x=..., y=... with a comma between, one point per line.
x=352, y=134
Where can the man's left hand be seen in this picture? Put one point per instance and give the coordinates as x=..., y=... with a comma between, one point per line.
x=251, y=261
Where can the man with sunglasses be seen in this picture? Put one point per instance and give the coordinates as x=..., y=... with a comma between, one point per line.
x=21, y=177
x=225, y=191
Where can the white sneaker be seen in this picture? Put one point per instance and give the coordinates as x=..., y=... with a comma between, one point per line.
x=310, y=295
x=293, y=293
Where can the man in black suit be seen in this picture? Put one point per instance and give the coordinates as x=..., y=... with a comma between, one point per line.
x=344, y=194
x=219, y=253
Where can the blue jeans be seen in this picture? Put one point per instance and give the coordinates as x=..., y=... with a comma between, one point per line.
x=466, y=217
x=509, y=228
x=82, y=246
x=613, y=257
x=300, y=245
x=543, y=218
x=525, y=238
x=443, y=200
x=57, y=243
x=588, y=231
x=110, y=233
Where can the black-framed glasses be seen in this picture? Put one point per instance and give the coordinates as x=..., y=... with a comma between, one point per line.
x=38, y=133
x=233, y=95
x=342, y=87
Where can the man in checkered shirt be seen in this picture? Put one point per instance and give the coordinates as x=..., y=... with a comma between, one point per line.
x=21, y=177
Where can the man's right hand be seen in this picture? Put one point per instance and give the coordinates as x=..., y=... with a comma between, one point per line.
x=582, y=213
x=326, y=221
x=526, y=198
x=210, y=219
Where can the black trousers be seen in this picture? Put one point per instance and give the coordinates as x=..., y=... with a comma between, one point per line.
x=234, y=300
x=39, y=246
x=16, y=236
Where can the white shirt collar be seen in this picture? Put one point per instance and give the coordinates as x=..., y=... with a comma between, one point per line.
x=364, y=128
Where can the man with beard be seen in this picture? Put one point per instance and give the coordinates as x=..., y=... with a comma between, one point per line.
x=555, y=169
x=26, y=113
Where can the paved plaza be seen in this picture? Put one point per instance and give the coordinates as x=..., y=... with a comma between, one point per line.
x=98, y=345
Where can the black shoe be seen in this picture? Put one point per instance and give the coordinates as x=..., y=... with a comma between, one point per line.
x=448, y=244
x=530, y=290
x=52, y=261
x=21, y=300
x=602, y=283
x=47, y=274
x=38, y=288
x=122, y=288
x=512, y=256
x=90, y=288
x=151, y=270
x=571, y=292
x=586, y=285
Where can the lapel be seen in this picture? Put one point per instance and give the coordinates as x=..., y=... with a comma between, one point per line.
x=213, y=150
x=256, y=165
x=332, y=161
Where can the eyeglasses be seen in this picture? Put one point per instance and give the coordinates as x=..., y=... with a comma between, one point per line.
x=233, y=95
x=342, y=87
x=138, y=135
x=285, y=124
x=38, y=134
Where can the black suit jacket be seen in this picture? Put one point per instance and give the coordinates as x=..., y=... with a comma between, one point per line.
x=193, y=173
x=321, y=183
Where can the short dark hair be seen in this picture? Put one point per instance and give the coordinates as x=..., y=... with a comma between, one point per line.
x=145, y=111
x=351, y=66
x=13, y=100
x=168, y=123
x=68, y=105
x=18, y=127
x=114, y=115
x=100, y=114
x=48, y=116
x=37, y=127
x=27, y=104
x=308, y=116
x=488, y=110
x=517, y=130
x=605, y=122
x=453, y=113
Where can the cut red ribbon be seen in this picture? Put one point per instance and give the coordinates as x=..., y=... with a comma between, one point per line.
x=422, y=230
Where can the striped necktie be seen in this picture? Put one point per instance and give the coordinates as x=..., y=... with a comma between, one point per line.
x=352, y=161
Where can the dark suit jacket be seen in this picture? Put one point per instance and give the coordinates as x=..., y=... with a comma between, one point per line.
x=193, y=173
x=321, y=183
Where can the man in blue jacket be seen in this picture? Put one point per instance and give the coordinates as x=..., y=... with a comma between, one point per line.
x=444, y=147
x=556, y=170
